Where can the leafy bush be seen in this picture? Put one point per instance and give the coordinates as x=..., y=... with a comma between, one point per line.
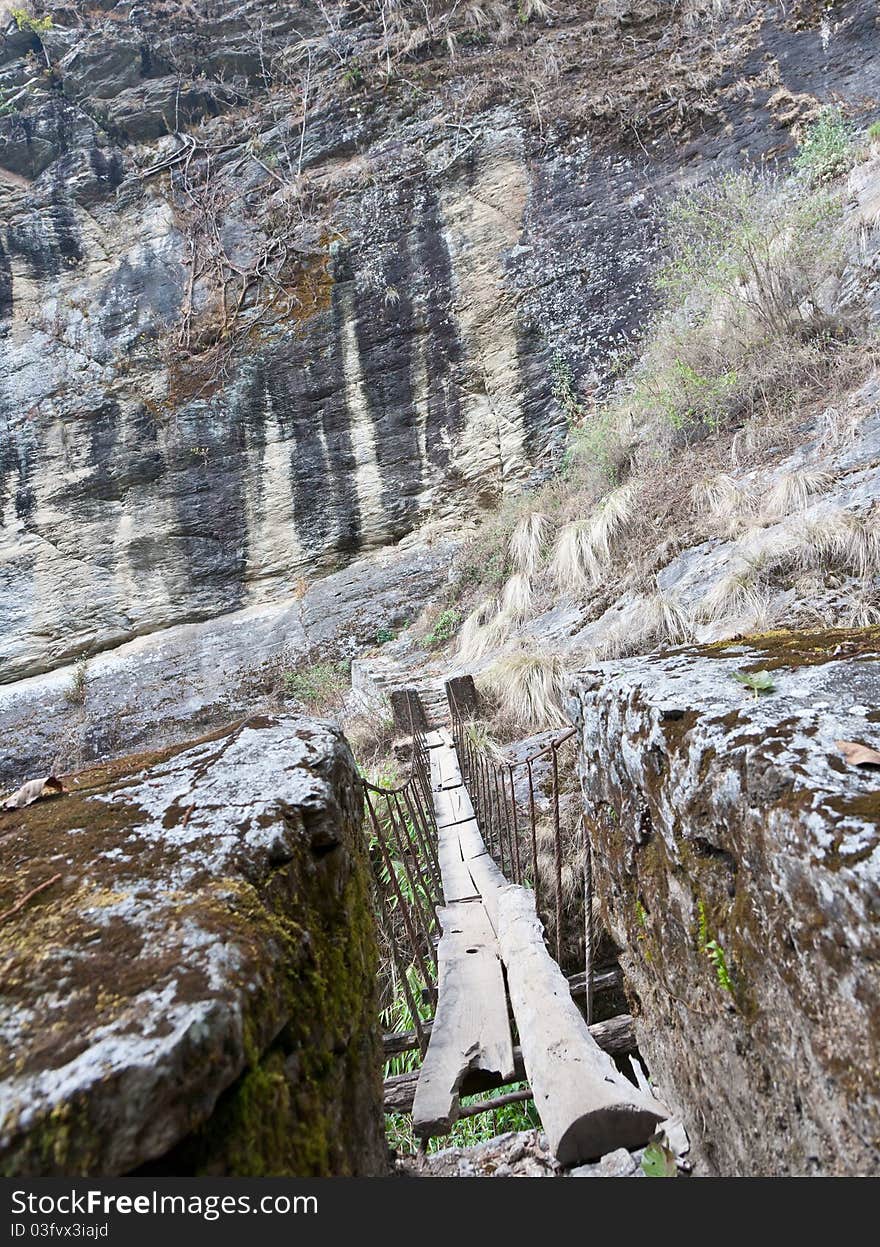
x=320, y=687
x=33, y=25
x=828, y=148
x=445, y=627
x=384, y=635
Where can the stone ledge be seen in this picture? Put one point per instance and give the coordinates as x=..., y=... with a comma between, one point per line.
x=724, y=820
x=212, y=912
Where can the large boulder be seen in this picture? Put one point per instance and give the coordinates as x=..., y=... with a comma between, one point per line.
x=736, y=862
x=195, y=989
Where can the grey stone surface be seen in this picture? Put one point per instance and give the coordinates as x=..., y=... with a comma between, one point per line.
x=206, y=931
x=164, y=686
x=441, y=269
x=737, y=867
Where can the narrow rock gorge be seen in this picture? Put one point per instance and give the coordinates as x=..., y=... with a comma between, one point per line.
x=349, y=347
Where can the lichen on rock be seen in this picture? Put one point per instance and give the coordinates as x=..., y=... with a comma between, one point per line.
x=200, y=981
x=736, y=858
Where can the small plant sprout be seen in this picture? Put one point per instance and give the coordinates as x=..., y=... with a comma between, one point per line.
x=757, y=681
x=658, y=1160
x=75, y=693
x=445, y=627
x=716, y=955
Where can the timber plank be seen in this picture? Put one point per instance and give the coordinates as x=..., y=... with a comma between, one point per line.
x=616, y=1036
x=471, y=1030
x=445, y=772
x=452, y=806
x=488, y=880
x=470, y=839
x=587, y=1108
x=454, y=874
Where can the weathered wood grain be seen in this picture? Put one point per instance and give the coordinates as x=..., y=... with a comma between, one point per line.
x=587, y=1108
x=454, y=874
x=616, y=1037
x=471, y=1029
x=488, y=880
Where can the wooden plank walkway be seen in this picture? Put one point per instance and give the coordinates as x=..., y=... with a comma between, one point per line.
x=586, y=1107
x=471, y=1030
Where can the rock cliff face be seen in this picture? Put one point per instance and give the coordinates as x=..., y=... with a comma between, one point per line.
x=736, y=863
x=277, y=288
x=195, y=990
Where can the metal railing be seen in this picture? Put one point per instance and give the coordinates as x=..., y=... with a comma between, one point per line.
x=408, y=881
x=509, y=818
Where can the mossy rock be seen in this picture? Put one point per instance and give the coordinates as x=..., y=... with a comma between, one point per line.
x=196, y=991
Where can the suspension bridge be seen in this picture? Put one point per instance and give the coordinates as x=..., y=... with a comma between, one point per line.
x=458, y=843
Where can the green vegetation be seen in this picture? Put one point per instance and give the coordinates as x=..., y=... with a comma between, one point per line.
x=75, y=693
x=445, y=627
x=33, y=25
x=742, y=341
x=658, y=1161
x=757, y=681
x=470, y=1130
x=708, y=944
x=716, y=955
x=320, y=687
x=874, y=132
x=564, y=391
x=829, y=148
x=384, y=635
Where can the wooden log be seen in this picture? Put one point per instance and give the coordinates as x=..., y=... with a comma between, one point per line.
x=407, y=711
x=603, y=981
x=498, y=1101
x=463, y=692
x=587, y=1108
x=470, y=839
x=616, y=1037
x=471, y=1029
x=452, y=806
x=444, y=768
x=488, y=880
x=618, y=1041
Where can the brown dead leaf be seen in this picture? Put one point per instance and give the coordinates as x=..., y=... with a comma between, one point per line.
x=32, y=791
x=858, y=755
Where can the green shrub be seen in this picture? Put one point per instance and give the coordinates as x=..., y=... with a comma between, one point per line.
x=33, y=25
x=445, y=627
x=874, y=131
x=76, y=692
x=384, y=635
x=747, y=257
x=320, y=687
x=828, y=148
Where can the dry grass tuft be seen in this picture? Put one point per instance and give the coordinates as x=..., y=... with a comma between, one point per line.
x=528, y=541
x=583, y=548
x=792, y=491
x=471, y=637
x=488, y=627
x=516, y=597
x=528, y=688
x=722, y=497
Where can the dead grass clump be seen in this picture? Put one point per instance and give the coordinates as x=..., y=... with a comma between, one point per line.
x=516, y=598
x=487, y=627
x=528, y=541
x=528, y=688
